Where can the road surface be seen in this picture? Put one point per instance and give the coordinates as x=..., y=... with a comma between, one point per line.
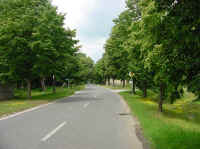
x=90, y=119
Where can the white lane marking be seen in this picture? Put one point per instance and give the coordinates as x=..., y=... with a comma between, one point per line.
x=82, y=92
x=78, y=92
x=85, y=105
x=49, y=135
x=118, y=91
x=29, y=110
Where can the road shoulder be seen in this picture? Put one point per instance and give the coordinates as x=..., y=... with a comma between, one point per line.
x=135, y=121
x=137, y=127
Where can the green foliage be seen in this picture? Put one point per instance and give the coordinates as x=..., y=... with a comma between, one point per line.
x=83, y=72
x=159, y=41
x=100, y=72
x=34, y=43
x=116, y=54
x=33, y=40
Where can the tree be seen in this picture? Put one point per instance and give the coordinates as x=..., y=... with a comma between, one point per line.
x=183, y=17
x=99, y=72
x=142, y=76
x=174, y=44
x=118, y=55
x=160, y=41
x=33, y=41
x=84, y=69
x=53, y=45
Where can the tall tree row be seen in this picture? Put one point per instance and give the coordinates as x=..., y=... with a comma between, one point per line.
x=158, y=40
x=34, y=43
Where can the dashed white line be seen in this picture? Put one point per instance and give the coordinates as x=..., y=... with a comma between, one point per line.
x=86, y=105
x=49, y=135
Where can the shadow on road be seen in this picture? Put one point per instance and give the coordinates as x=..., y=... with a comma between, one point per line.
x=79, y=99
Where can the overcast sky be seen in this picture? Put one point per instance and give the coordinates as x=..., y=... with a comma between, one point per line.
x=93, y=21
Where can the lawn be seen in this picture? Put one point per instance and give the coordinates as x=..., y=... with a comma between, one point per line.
x=178, y=127
x=21, y=102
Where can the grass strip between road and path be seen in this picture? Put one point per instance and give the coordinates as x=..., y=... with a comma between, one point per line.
x=20, y=102
x=176, y=128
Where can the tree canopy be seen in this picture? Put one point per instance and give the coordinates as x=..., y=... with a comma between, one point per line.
x=159, y=41
x=34, y=44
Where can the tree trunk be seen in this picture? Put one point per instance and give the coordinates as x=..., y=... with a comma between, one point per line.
x=127, y=82
x=108, y=81
x=175, y=95
x=29, y=89
x=124, y=83
x=54, y=85
x=22, y=85
x=162, y=96
x=105, y=81
x=42, y=81
x=133, y=86
x=113, y=82
x=145, y=90
x=67, y=83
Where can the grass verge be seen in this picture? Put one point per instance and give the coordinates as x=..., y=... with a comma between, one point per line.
x=176, y=128
x=21, y=103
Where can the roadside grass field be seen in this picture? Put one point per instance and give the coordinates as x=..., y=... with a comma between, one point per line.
x=178, y=127
x=20, y=102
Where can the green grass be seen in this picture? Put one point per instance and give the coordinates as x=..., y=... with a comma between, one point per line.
x=21, y=102
x=178, y=127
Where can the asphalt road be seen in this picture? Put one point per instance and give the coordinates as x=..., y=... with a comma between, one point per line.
x=90, y=119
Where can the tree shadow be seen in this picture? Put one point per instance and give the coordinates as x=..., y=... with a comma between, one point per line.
x=79, y=99
x=189, y=113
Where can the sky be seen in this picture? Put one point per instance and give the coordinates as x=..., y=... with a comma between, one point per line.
x=93, y=21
